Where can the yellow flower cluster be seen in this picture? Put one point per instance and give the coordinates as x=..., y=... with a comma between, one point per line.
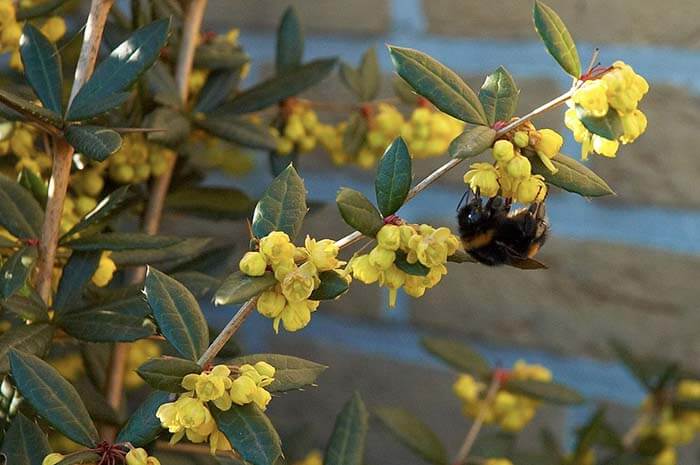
x=20, y=139
x=417, y=244
x=428, y=132
x=511, y=412
x=10, y=31
x=511, y=175
x=301, y=129
x=619, y=90
x=137, y=160
x=297, y=272
x=105, y=270
x=312, y=458
x=139, y=353
x=189, y=416
x=497, y=462
x=136, y=456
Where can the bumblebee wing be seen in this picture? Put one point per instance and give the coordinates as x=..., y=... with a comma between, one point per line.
x=527, y=264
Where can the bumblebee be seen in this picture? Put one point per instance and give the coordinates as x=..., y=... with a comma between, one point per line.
x=494, y=235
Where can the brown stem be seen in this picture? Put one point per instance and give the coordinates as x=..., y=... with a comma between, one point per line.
x=473, y=432
x=228, y=332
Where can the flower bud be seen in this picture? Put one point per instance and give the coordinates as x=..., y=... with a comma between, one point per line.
x=519, y=167
x=381, y=258
x=531, y=189
x=105, y=270
x=265, y=369
x=549, y=143
x=503, y=151
x=137, y=457
x=521, y=139
x=389, y=237
x=271, y=304
x=253, y=264
x=52, y=459
x=242, y=390
x=363, y=270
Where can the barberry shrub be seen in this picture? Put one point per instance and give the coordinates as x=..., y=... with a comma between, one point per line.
x=99, y=308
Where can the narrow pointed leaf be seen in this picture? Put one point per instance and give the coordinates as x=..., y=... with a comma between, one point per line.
x=177, y=313
x=394, y=176
x=76, y=275
x=457, y=355
x=545, y=391
x=332, y=286
x=97, y=107
x=499, y=95
x=251, y=434
x=290, y=41
x=291, y=373
x=216, y=203
x=238, y=287
x=239, y=130
x=414, y=434
x=38, y=10
x=369, y=75
x=183, y=251
x=143, y=427
x=28, y=308
x=162, y=86
x=282, y=207
x=439, y=84
x=34, y=184
x=28, y=109
x=121, y=69
x=109, y=207
x=16, y=269
x=218, y=87
x=220, y=55
x=355, y=134
x=53, y=398
x=278, y=88
x=20, y=213
x=358, y=212
x=122, y=241
x=98, y=325
x=347, y=443
x=32, y=339
x=166, y=373
x=25, y=442
x=351, y=79
x=474, y=141
x=572, y=176
x=95, y=142
x=42, y=67
x=556, y=38
x=172, y=127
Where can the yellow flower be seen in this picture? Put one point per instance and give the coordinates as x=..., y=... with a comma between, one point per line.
x=466, y=388
x=253, y=264
x=186, y=416
x=389, y=237
x=363, y=270
x=271, y=304
x=322, y=253
x=298, y=285
x=242, y=390
x=548, y=146
x=519, y=167
x=277, y=247
x=266, y=371
x=312, y=458
x=503, y=150
x=430, y=249
x=219, y=441
x=54, y=28
x=667, y=456
x=296, y=315
x=393, y=278
x=105, y=270
x=381, y=258
x=484, y=177
x=634, y=124
x=140, y=457
x=211, y=386
x=592, y=96
x=625, y=88
x=261, y=398
x=52, y=459
x=531, y=189
x=605, y=147
x=497, y=462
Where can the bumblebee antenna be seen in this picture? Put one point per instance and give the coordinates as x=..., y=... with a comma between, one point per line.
x=464, y=196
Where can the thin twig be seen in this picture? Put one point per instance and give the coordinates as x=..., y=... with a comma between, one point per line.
x=473, y=432
x=228, y=332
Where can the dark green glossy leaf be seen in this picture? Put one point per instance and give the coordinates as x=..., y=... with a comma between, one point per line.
x=347, y=443
x=122, y=241
x=107, y=209
x=20, y=213
x=290, y=42
x=16, y=269
x=332, y=286
x=238, y=287
x=499, y=95
x=162, y=86
x=351, y=79
x=459, y=356
x=34, y=184
x=572, y=176
x=96, y=404
x=97, y=325
x=291, y=373
x=186, y=250
x=541, y=390
x=251, y=434
x=38, y=10
x=556, y=38
x=474, y=141
x=143, y=427
x=177, y=313
x=608, y=126
x=30, y=110
x=415, y=269
x=166, y=373
x=358, y=212
x=53, y=398
x=355, y=134
x=30, y=308
x=239, y=130
x=95, y=142
x=120, y=70
x=369, y=75
x=219, y=55
x=413, y=433
x=76, y=274
x=218, y=87
x=217, y=203
x=33, y=339
x=172, y=127
x=25, y=443
x=439, y=84
x=200, y=284
x=278, y=88
x=282, y=207
x=394, y=176
x=42, y=67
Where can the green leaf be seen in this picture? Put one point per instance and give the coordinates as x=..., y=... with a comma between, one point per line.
x=499, y=95
x=220, y=55
x=415, y=269
x=216, y=203
x=541, y=390
x=369, y=75
x=182, y=251
x=404, y=91
x=53, y=398
x=95, y=142
x=76, y=275
x=282, y=207
x=290, y=42
x=332, y=286
x=358, y=212
x=178, y=314
x=166, y=373
x=414, y=434
x=643, y=372
x=173, y=126
x=355, y=134
x=251, y=433
x=30, y=308
x=162, y=86
x=608, y=126
x=143, y=427
x=107, y=209
x=394, y=176
x=33, y=339
x=351, y=79
x=20, y=213
x=120, y=70
x=30, y=110
x=16, y=269
x=98, y=325
x=239, y=130
x=239, y=287
x=42, y=67
x=122, y=241
x=217, y=88
x=38, y=10
x=347, y=443
x=34, y=184
x=572, y=176
x=459, y=356
x=25, y=443
x=291, y=373
x=474, y=141
x=439, y=84
x=274, y=90
x=556, y=38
